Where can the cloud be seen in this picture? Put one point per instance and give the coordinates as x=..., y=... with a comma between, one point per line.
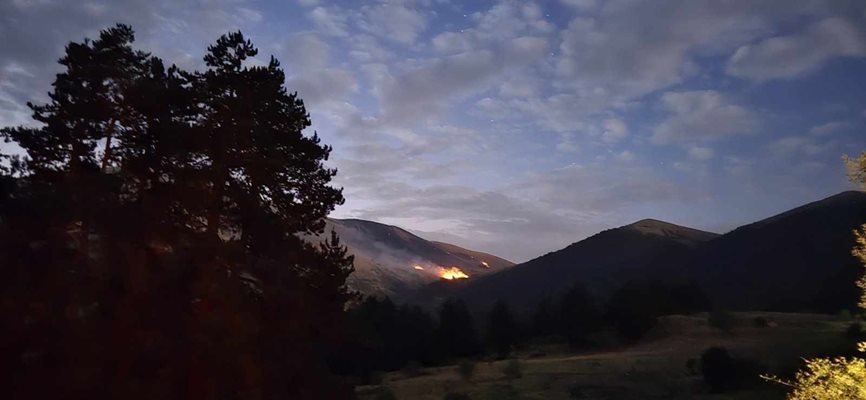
x=309, y=70
x=613, y=186
x=634, y=48
x=328, y=84
x=581, y=4
x=461, y=124
x=308, y=3
x=12, y=111
x=625, y=156
x=614, y=130
x=738, y=167
x=306, y=51
x=452, y=42
x=828, y=128
x=171, y=30
x=561, y=113
x=503, y=21
x=426, y=88
x=393, y=21
x=539, y=213
x=785, y=57
x=701, y=116
x=330, y=20
x=521, y=85
x=567, y=144
x=791, y=146
x=701, y=153
x=610, y=57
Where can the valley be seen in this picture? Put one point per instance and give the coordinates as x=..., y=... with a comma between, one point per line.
x=657, y=368
x=630, y=312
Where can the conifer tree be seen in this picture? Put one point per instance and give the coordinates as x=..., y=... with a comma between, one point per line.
x=456, y=334
x=579, y=315
x=544, y=319
x=501, y=329
x=175, y=267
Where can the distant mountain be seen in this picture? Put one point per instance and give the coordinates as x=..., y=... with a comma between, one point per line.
x=394, y=262
x=472, y=256
x=601, y=262
x=797, y=260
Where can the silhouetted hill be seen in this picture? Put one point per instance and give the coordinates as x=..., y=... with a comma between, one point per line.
x=797, y=260
x=601, y=262
x=386, y=257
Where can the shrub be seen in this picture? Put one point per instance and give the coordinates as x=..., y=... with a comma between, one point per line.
x=838, y=378
x=633, y=310
x=512, y=370
x=718, y=369
x=466, y=369
x=723, y=373
x=385, y=393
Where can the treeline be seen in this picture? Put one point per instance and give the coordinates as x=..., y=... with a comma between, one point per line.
x=150, y=233
x=387, y=337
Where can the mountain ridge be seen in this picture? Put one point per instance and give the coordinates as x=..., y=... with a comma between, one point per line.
x=391, y=261
x=798, y=259
x=597, y=261
x=668, y=229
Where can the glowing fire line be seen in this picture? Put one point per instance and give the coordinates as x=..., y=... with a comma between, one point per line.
x=452, y=273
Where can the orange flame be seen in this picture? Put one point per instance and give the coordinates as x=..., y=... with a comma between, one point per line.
x=485, y=264
x=452, y=273
x=418, y=267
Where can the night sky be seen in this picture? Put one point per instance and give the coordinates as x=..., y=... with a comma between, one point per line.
x=519, y=127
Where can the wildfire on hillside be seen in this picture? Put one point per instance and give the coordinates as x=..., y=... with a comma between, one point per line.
x=418, y=267
x=485, y=264
x=452, y=273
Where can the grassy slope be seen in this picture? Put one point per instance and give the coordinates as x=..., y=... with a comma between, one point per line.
x=654, y=369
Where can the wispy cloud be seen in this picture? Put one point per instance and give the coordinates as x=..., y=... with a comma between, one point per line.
x=521, y=126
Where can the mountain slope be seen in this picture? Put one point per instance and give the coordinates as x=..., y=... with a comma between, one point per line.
x=601, y=262
x=797, y=260
x=386, y=258
x=492, y=261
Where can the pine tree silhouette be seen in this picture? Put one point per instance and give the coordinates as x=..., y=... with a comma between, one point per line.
x=151, y=235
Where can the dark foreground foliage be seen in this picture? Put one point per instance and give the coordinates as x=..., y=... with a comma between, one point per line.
x=150, y=238
x=387, y=337
x=723, y=373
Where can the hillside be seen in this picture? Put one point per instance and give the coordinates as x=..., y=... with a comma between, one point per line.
x=394, y=262
x=601, y=262
x=471, y=256
x=653, y=369
x=799, y=260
